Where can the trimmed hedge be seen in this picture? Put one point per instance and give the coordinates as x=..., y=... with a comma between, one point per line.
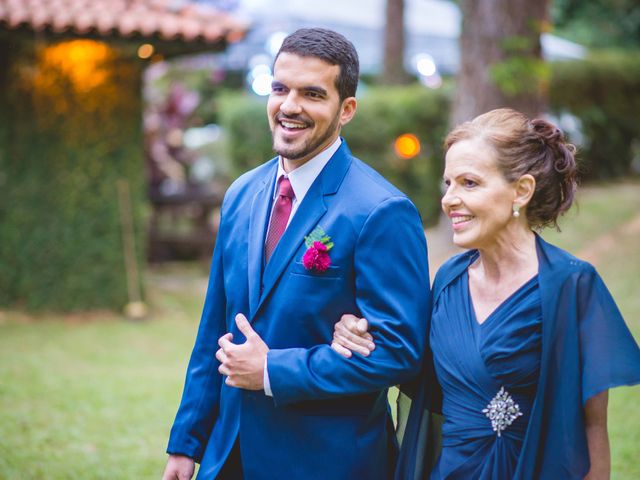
x=383, y=114
x=244, y=118
x=603, y=91
x=64, y=144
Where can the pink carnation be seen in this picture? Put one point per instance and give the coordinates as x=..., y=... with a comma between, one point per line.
x=316, y=257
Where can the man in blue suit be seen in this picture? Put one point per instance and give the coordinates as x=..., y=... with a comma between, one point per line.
x=310, y=235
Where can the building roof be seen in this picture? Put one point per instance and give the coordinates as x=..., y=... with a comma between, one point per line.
x=168, y=20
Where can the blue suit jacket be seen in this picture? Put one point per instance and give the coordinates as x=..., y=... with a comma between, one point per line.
x=329, y=416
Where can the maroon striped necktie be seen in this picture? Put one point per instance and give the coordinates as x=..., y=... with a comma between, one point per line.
x=279, y=216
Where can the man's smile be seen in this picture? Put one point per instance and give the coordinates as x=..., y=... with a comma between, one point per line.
x=292, y=123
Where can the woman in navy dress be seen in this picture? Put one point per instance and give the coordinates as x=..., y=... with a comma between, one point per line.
x=525, y=339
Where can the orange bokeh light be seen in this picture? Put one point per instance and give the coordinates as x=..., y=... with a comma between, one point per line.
x=145, y=50
x=407, y=145
x=83, y=62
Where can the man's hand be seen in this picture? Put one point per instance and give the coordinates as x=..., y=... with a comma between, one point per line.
x=243, y=364
x=179, y=467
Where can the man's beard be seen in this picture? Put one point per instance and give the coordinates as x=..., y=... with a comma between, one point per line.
x=296, y=153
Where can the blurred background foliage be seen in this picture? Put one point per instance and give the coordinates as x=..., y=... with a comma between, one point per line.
x=598, y=23
x=384, y=114
x=61, y=237
x=596, y=101
x=65, y=213
x=74, y=122
x=603, y=93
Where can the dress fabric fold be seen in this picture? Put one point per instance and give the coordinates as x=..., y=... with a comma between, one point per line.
x=477, y=363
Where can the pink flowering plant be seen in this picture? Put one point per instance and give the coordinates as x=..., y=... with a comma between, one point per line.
x=317, y=255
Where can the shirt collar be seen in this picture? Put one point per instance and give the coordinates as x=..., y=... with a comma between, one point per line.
x=303, y=177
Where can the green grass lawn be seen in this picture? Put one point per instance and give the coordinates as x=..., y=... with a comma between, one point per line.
x=93, y=396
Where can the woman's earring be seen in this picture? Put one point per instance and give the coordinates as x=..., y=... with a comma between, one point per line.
x=516, y=211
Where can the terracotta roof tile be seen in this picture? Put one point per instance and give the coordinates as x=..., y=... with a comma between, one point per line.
x=166, y=19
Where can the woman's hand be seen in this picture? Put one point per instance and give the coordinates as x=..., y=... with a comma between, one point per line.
x=350, y=335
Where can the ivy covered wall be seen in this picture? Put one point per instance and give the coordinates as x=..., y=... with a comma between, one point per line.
x=70, y=130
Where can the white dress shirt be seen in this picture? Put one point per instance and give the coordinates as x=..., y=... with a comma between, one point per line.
x=301, y=180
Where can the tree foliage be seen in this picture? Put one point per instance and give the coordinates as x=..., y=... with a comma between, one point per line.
x=598, y=23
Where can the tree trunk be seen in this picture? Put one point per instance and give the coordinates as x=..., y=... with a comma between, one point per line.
x=500, y=58
x=393, y=72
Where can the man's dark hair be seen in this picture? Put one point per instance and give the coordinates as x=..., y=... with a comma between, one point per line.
x=331, y=47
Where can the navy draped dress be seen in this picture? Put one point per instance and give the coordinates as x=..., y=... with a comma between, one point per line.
x=513, y=389
x=488, y=373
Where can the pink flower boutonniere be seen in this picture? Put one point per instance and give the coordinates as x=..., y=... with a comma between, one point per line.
x=317, y=255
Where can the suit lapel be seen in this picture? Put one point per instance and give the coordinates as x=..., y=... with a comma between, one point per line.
x=307, y=216
x=309, y=213
x=260, y=208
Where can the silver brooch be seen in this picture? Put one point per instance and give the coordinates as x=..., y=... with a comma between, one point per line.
x=502, y=411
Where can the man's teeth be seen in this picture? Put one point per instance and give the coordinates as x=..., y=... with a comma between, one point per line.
x=461, y=219
x=292, y=125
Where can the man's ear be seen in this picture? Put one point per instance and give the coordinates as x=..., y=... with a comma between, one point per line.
x=525, y=187
x=348, y=108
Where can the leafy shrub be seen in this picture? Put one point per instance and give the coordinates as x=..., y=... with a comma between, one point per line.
x=603, y=91
x=244, y=117
x=383, y=114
